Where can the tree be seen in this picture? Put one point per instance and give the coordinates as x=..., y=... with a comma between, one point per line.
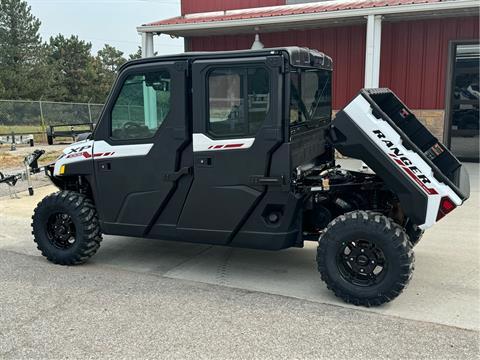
x=74, y=67
x=111, y=58
x=105, y=66
x=62, y=69
x=136, y=55
x=20, y=49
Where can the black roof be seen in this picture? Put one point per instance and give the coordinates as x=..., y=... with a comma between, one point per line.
x=297, y=56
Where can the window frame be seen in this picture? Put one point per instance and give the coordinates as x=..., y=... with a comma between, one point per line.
x=241, y=69
x=122, y=80
x=307, y=125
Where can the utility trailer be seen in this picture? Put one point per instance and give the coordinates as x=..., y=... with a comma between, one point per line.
x=68, y=130
x=237, y=149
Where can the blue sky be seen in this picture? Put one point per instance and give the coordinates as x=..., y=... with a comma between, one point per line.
x=107, y=21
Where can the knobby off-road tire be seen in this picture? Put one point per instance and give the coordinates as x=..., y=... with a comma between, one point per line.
x=365, y=258
x=414, y=235
x=66, y=228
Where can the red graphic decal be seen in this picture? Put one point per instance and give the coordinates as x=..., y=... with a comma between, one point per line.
x=225, y=146
x=87, y=155
x=429, y=191
x=233, y=145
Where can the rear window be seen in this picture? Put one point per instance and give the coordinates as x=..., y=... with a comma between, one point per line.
x=310, y=98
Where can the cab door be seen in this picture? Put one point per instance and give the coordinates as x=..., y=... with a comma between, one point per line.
x=139, y=148
x=237, y=125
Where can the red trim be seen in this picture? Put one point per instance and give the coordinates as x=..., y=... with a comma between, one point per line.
x=225, y=146
x=429, y=191
x=87, y=155
x=233, y=146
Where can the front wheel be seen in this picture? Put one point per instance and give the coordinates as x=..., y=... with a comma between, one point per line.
x=365, y=258
x=66, y=228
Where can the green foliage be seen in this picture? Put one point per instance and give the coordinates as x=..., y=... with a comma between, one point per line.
x=62, y=69
x=73, y=69
x=20, y=46
x=107, y=61
x=136, y=55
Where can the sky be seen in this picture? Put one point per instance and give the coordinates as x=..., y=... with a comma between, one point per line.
x=107, y=21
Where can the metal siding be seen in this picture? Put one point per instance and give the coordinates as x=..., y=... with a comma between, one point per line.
x=345, y=44
x=415, y=56
x=413, y=59
x=197, y=6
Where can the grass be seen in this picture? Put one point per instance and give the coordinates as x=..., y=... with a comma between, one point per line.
x=20, y=129
x=14, y=160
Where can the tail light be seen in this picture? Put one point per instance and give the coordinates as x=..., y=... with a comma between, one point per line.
x=446, y=206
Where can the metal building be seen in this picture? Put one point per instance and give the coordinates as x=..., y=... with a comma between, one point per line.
x=427, y=51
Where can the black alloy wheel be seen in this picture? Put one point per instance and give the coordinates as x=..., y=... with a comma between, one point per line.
x=61, y=230
x=365, y=258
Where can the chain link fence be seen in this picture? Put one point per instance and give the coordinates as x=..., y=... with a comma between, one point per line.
x=33, y=117
x=22, y=118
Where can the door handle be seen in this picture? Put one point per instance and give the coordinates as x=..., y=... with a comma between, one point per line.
x=204, y=161
x=104, y=166
x=178, y=174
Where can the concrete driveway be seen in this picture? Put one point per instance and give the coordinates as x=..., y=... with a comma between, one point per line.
x=144, y=298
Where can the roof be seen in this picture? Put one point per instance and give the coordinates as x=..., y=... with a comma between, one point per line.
x=267, y=16
x=306, y=8
x=297, y=56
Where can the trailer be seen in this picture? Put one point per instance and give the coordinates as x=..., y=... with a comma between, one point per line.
x=68, y=131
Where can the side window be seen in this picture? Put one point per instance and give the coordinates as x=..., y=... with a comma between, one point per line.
x=141, y=106
x=239, y=101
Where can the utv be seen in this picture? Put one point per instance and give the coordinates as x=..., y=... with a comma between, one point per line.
x=238, y=149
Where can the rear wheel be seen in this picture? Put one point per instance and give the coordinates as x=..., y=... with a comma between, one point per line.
x=66, y=229
x=414, y=234
x=365, y=258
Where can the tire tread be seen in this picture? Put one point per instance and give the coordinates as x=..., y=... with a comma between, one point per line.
x=89, y=236
x=401, y=244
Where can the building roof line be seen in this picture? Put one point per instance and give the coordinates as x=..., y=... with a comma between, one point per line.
x=245, y=18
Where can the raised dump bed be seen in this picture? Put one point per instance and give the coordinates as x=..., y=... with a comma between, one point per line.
x=379, y=129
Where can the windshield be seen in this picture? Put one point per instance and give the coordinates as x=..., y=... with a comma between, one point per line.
x=310, y=97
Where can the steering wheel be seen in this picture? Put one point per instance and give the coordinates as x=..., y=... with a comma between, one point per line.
x=130, y=125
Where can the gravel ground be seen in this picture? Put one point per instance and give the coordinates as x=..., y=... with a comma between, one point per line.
x=91, y=311
x=125, y=303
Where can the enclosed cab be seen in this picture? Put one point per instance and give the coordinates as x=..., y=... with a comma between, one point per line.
x=238, y=149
